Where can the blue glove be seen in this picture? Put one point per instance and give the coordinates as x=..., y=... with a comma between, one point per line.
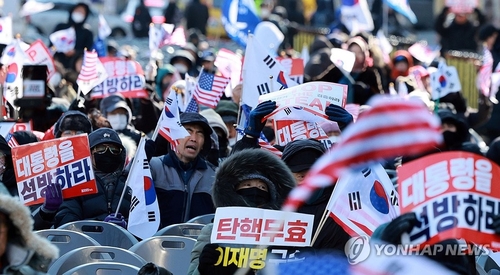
x=339, y=115
x=255, y=124
x=118, y=220
x=53, y=198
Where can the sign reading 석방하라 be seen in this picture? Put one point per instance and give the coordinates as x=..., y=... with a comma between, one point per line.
x=64, y=160
x=453, y=196
x=248, y=225
x=124, y=76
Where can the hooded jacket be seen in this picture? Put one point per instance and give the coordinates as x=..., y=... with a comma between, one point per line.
x=77, y=120
x=26, y=252
x=84, y=36
x=8, y=177
x=237, y=166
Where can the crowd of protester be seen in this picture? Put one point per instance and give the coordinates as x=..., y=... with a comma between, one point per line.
x=211, y=168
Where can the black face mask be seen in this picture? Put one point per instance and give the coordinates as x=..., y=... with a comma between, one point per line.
x=107, y=162
x=451, y=139
x=254, y=196
x=223, y=143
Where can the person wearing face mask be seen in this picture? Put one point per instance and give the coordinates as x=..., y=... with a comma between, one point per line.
x=300, y=156
x=108, y=159
x=119, y=115
x=221, y=132
x=249, y=178
x=228, y=110
x=184, y=62
x=164, y=79
x=84, y=36
x=455, y=132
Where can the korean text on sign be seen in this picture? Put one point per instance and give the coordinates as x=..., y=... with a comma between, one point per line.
x=452, y=196
x=124, y=76
x=65, y=161
x=243, y=225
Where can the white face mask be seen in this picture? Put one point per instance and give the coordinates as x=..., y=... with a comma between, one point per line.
x=181, y=68
x=118, y=121
x=77, y=17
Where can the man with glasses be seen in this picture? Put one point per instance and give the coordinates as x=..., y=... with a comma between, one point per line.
x=108, y=159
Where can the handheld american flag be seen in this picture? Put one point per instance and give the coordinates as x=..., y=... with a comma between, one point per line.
x=393, y=127
x=92, y=72
x=144, y=215
x=169, y=125
x=209, y=89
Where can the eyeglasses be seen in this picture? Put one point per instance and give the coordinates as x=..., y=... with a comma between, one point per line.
x=113, y=149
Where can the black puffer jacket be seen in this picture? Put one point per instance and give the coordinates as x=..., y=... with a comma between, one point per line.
x=251, y=161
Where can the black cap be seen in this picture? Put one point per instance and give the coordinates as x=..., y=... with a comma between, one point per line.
x=300, y=155
x=104, y=135
x=196, y=118
x=228, y=110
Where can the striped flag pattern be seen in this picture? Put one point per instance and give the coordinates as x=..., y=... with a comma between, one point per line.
x=266, y=146
x=169, y=125
x=209, y=89
x=11, y=140
x=89, y=67
x=393, y=127
x=483, y=80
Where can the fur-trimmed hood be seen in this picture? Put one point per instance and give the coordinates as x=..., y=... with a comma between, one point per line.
x=20, y=217
x=244, y=163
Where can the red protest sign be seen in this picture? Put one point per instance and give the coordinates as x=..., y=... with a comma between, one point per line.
x=65, y=161
x=38, y=54
x=451, y=193
x=124, y=76
x=294, y=67
x=290, y=130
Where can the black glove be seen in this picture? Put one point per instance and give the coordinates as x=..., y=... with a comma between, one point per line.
x=150, y=148
x=339, y=115
x=208, y=257
x=404, y=223
x=255, y=124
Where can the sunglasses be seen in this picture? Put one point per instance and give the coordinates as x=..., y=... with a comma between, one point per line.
x=113, y=149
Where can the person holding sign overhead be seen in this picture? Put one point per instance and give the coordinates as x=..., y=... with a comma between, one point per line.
x=249, y=178
x=108, y=160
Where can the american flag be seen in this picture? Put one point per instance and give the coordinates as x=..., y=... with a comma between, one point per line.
x=11, y=140
x=267, y=146
x=192, y=106
x=228, y=63
x=483, y=80
x=89, y=67
x=393, y=127
x=209, y=89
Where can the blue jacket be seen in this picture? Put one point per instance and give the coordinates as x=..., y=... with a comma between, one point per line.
x=183, y=192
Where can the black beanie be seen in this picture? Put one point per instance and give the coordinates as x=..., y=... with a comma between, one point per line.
x=75, y=123
x=25, y=137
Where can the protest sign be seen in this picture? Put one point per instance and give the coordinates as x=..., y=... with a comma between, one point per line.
x=22, y=126
x=248, y=225
x=259, y=257
x=38, y=54
x=462, y=6
x=307, y=101
x=65, y=161
x=452, y=196
x=6, y=127
x=294, y=67
x=124, y=76
x=290, y=130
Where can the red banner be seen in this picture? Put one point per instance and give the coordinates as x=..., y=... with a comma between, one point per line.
x=290, y=130
x=452, y=195
x=124, y=76
x=294, y=67
x=65, y=161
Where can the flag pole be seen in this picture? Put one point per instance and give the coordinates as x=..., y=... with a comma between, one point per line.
x=141, y=143
x=326, y=213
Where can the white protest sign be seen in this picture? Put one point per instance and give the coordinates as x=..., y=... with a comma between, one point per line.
x=444, y=81
x=38, y=54
x=307, y=101
x=256, y=226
